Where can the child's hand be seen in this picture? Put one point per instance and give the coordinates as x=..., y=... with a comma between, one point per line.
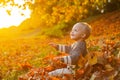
x=53, y=45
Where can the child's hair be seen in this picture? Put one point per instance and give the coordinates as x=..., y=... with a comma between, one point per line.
x=87, y=29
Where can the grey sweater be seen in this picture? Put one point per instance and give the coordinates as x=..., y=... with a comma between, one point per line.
x=74, y=51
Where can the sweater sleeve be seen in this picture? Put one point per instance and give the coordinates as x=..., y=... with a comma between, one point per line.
x=63, y=48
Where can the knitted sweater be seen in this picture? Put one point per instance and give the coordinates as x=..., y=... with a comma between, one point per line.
x=74, y=51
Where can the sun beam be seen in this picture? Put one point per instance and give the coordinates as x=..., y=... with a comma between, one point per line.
x=14, y=12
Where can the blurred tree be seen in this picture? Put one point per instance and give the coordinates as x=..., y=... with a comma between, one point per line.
x=49, y=13
x=113, y=5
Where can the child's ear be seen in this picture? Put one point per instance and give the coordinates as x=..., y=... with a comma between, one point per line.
x=83, y=35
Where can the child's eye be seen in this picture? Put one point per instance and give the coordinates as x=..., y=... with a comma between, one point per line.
x=76, y=30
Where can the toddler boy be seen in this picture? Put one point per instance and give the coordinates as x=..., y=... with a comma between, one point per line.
x=80, y=32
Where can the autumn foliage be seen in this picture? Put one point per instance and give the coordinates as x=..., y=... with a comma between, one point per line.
x=32, y=58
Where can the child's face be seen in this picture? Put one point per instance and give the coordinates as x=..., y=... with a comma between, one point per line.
x=77, y=32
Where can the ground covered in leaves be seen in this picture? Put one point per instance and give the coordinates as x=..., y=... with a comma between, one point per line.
x=101, y=64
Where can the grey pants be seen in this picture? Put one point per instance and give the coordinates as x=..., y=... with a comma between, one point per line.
x=60, y=72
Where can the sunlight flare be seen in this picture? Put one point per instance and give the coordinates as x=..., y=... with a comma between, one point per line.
x=13, y=13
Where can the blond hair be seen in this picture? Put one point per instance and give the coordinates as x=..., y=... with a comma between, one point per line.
x=87, y=29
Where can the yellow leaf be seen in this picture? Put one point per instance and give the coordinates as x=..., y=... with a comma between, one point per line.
x=93, y=60
x=108, y=67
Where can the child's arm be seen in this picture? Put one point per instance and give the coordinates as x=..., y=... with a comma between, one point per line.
x=61, y=48
x=71, y=59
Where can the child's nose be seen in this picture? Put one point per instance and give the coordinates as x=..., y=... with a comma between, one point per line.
x=71, y=32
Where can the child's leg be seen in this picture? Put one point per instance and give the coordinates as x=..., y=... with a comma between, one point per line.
x=60, y=72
